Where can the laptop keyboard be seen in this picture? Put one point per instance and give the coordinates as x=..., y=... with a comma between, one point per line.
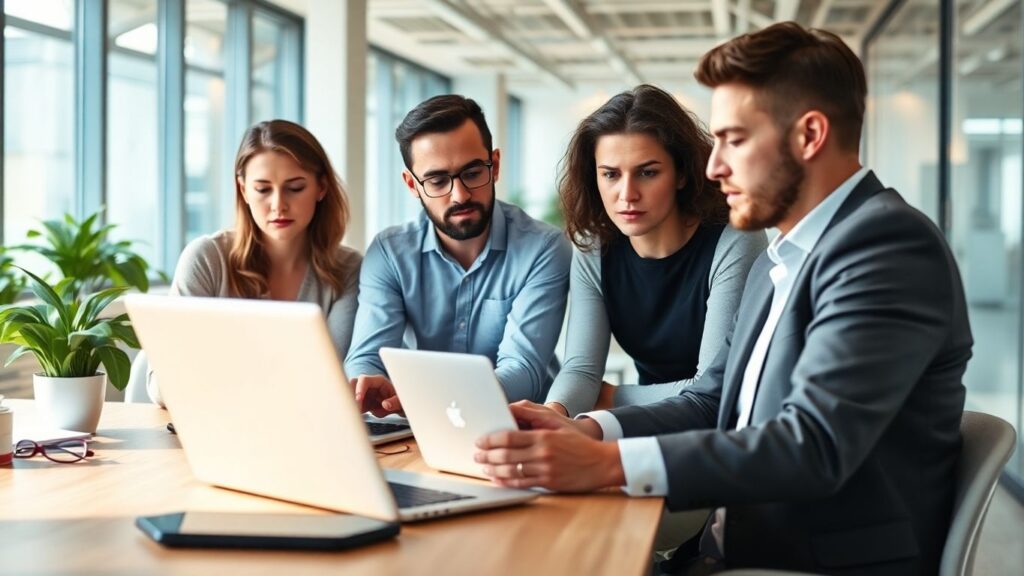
x=380, y=428
x=407, y=496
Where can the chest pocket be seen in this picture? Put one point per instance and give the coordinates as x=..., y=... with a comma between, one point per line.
x=490, y=326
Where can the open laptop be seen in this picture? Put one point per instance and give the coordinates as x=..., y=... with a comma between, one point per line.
x=451, y=400
x=261, y=405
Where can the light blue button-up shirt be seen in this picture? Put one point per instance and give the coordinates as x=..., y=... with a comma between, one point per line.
x=508, y=306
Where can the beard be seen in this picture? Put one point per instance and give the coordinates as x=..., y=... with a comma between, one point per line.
x=769, y=202
x=466, y=229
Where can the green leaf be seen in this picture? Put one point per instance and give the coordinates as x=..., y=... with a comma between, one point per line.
x=42, y=340
x=95, y=336
x=124, y=332
x=134, y=272
x=117, y=365
x=96, y=303
x=44, y=292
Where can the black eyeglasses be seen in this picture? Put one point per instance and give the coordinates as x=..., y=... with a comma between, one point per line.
x=473, y=177
x=65, y=452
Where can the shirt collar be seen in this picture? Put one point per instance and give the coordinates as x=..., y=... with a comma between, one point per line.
x=497, y=240
x=805, y=235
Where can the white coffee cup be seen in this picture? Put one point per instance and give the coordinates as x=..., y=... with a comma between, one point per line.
x=6, y=434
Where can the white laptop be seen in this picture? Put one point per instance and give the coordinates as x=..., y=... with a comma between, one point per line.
x=261, y=405
x=451, y=400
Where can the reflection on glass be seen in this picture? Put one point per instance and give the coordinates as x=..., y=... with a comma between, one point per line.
x=132, y=131
x=393, y=88
x=205, y=28
x=902, y=127
x=56, y=14
x=39, y=128
x=988, y=106
x=267, y=83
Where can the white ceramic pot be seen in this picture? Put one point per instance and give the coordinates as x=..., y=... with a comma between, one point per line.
x=70, y=403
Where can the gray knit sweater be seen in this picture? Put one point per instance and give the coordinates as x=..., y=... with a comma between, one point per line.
x=588, y=334
x=202, y=271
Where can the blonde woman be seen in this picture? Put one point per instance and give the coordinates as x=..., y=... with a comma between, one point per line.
x=290, y=216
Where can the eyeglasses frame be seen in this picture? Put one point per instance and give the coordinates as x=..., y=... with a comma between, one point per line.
x=42, y=448
x=451, y=179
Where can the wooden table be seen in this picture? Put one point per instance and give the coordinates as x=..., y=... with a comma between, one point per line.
x=79, y=518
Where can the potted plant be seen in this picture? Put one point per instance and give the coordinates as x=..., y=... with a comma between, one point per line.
x=70, y=340
x=87, y=257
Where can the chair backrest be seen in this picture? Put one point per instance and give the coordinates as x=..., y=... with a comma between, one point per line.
x=988, y=442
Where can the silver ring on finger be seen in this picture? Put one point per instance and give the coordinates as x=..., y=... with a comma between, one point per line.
x=520, y=471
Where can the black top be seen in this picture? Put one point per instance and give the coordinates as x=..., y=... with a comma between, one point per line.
x=656, y=307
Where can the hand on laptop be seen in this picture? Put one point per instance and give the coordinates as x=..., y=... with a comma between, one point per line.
x=531, y=416
x=557, y=453
x=376, y=394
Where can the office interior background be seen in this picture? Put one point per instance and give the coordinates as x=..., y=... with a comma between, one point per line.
x=136, y=107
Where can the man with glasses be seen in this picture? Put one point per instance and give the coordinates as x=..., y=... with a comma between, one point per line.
x=472, y=274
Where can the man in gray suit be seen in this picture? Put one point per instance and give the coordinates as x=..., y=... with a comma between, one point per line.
x=826, y=432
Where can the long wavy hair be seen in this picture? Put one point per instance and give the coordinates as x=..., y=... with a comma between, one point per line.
x=249, y=265
x=647, y=110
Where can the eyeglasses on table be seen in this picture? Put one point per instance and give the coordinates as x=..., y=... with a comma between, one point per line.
x=63, y=452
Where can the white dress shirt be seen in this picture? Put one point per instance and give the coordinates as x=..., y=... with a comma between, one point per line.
x=642, y=460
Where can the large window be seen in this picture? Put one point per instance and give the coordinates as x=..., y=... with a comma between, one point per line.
x=133, y=175
x=985, y=200
x=904, y=97
x=276, y=77
x=182, y=81
x=954, y=105
x=39, y=114
x=394, y=87
x=206, y=208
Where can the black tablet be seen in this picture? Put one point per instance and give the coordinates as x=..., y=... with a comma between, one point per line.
x=280, y=531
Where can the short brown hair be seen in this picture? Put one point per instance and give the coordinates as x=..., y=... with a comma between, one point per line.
x=440, y=114
x=249, y=264
x=797, y=69
x=647, y=110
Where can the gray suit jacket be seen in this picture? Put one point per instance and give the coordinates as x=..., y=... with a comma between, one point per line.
x=847, y=465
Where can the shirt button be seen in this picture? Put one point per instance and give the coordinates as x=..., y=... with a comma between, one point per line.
x=462, y=325
x=465, y=279
x=648, y=488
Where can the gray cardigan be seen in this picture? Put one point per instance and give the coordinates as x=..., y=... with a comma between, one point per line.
x=202, y=271
x=588, y=335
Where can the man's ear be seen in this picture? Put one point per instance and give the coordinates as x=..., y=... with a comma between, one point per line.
x=495, y=164
x=811, y=133
x=410, y=183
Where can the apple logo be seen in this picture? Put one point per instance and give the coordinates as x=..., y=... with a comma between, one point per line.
x=455, y=415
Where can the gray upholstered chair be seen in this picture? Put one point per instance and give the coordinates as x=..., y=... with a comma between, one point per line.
x=988, y=442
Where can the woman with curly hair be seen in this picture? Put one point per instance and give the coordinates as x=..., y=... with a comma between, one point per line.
x=656, y=264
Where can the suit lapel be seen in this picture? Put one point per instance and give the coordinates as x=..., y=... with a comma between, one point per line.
x=751, y=316
x=757, y=298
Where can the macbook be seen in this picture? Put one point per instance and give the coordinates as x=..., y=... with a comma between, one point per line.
x=451, y=400
x=261, y=405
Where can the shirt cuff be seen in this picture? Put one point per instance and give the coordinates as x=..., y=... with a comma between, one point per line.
x=644, y=467
x=610, y=427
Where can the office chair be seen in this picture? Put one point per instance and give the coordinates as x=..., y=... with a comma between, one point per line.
x=135, y=391
x=988, y=442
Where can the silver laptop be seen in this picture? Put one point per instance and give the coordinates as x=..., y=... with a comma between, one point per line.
x=451, y=400
x=261, y=405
